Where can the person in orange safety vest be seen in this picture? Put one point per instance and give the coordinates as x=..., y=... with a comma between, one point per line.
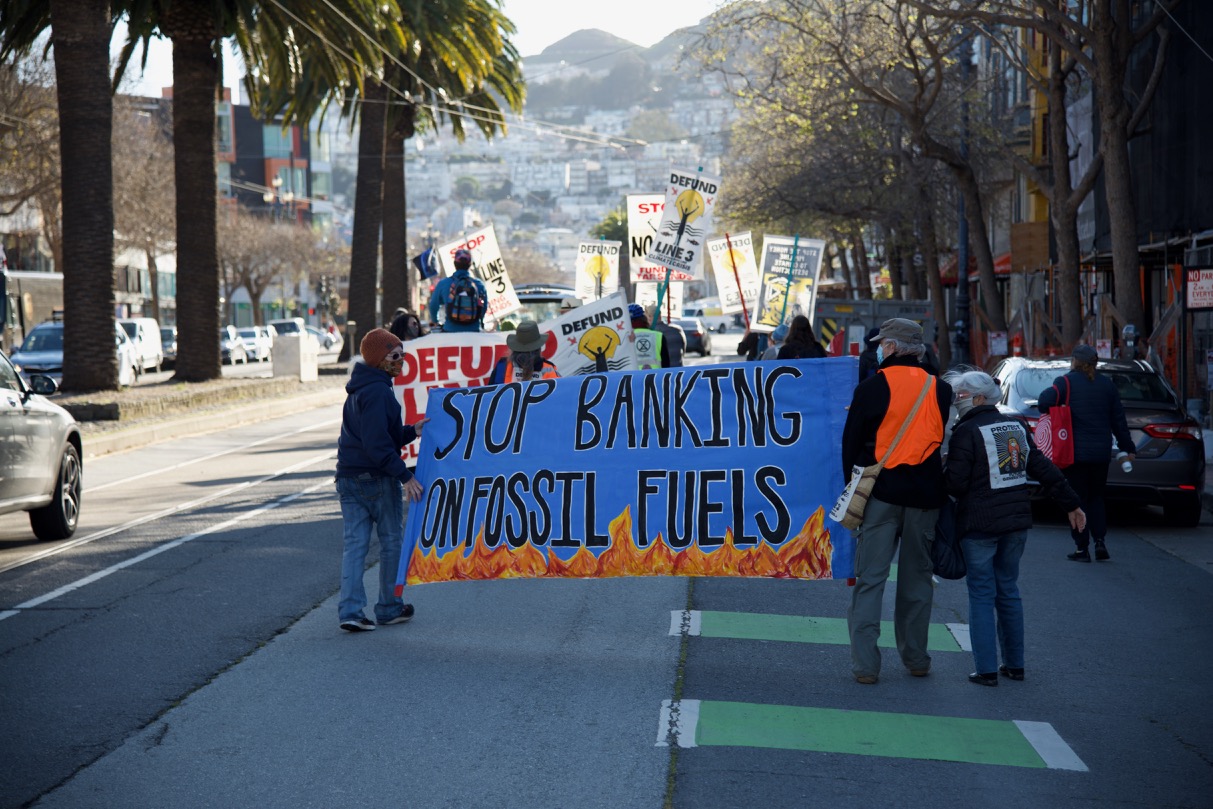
x=905, y=501
x=525, y=361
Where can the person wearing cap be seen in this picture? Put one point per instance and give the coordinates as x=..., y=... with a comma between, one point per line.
x=462, y=275
x=868, y=364
x=525, y=361
x=649, y=342
x=777, y=338
x=800, y=343
x=1096, y=413
x=373, y=483
x=905, y=502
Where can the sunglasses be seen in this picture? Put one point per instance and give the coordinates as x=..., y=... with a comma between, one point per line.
x=395, y=355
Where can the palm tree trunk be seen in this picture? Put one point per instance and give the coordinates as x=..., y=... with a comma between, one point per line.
x=368, y=217
x=195, y=79
x=395, y=227
x=81, y=33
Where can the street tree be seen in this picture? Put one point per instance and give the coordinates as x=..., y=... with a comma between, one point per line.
x=29, y=147
x=144, y=188
x=80, y=42
x=1101, y=37
x=259, y=255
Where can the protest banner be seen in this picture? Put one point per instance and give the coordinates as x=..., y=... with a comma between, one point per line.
x=597, y=270
x=722, y=470
x=488, y=266
x=644, y=215
x=686, y=222
x=444, y=360
x=671, y=304
x=789, y=288
x=599, y=329
x=732, y=264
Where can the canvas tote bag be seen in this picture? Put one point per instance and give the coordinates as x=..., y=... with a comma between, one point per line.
x=849, y=508
x=1054, y=432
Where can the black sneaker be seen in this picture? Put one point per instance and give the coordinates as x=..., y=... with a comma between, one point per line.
x=1079, y=556
x=1101, y=551
x=990, y=679
x=359, y=624
x=404, y=617
x=1010, y=673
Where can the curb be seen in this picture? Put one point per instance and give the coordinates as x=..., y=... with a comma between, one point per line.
x=150, y=432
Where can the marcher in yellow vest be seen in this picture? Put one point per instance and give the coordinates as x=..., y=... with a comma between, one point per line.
x=525, y=362
x=905, y=501
x=648, y=341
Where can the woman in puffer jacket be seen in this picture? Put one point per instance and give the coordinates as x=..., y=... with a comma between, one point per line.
x=989, y=459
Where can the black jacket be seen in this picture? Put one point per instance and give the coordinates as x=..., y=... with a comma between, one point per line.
x=868, y=363
x=990, y=458
x=801, y=351
x=919, y=485
x=1096, y=412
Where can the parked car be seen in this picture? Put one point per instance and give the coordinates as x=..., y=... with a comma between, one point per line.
x=231, y=347
x=145, y=335
x=698, y=338
x=258, y=342
x=1169, y=469
x=708, y=310
x=40, y=468
x=288, y=325
x=42, y=353
x=168, y=341
x=327, y=340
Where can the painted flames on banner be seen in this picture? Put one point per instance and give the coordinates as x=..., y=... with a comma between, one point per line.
x=805, y=556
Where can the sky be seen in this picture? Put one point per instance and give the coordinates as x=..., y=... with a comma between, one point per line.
x=641, y=21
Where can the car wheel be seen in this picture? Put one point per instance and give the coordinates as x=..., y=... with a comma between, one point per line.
x=1183, y=511
x=58, y=520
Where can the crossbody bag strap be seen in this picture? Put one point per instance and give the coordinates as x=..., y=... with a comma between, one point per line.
x=922, y=394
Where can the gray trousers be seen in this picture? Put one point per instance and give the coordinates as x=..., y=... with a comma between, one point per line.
x=876, y=542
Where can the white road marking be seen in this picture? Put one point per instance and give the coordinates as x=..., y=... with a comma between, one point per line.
x=160, y=514
x=678, y=722
x=159, y=549
x=1049, y=745
x=961, y=633
x=213, y=455
x=685, y=622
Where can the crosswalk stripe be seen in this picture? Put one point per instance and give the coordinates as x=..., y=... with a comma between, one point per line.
x=961, y=633
x=791, y=629
x=709, y=723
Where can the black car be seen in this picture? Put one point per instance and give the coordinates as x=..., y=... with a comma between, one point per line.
x=1169, y=469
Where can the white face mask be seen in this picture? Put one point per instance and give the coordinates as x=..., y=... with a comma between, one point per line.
x=964, y=405
x=880, y=354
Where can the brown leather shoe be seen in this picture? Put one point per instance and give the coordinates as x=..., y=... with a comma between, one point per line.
x=919, y=672
x=865, y=679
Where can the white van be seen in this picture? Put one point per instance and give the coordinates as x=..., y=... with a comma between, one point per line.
x=145, y=334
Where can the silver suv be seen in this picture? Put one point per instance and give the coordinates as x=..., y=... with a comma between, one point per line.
x=40, y=451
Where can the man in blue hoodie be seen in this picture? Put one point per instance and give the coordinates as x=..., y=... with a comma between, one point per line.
x=373, y=482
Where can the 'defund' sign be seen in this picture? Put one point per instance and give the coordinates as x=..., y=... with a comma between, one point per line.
x=723, y=470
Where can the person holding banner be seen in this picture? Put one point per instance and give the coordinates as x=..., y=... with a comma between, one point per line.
x=1098, y=415
x=525, y=362
x=373, y=482
x=650, y=348
x=905, y=502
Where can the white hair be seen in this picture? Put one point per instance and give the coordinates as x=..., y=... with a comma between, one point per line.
x=902, y=348
x=967, y=379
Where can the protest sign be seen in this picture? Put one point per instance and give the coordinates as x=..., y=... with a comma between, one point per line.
x=671, y=304
x=600, y=329
x=788, y=288
x=488, y=266
x=597, y=270
x=686, y=222
x=723, y=470
x=733, y=263
x=644, y=215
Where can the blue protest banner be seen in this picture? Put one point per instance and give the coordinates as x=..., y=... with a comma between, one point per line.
x=716, y=470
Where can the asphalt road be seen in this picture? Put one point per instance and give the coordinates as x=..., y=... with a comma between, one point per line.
x=188, y=655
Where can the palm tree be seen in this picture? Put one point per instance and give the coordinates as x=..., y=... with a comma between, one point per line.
x=81, y=46
x=455, y=64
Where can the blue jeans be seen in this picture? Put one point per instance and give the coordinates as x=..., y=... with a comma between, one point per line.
x=995, y=609
x=370, y=500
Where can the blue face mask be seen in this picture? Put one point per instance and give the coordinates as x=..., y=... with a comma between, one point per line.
x=880, y=355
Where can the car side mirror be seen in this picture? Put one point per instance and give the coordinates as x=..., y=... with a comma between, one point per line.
x=42, y=385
